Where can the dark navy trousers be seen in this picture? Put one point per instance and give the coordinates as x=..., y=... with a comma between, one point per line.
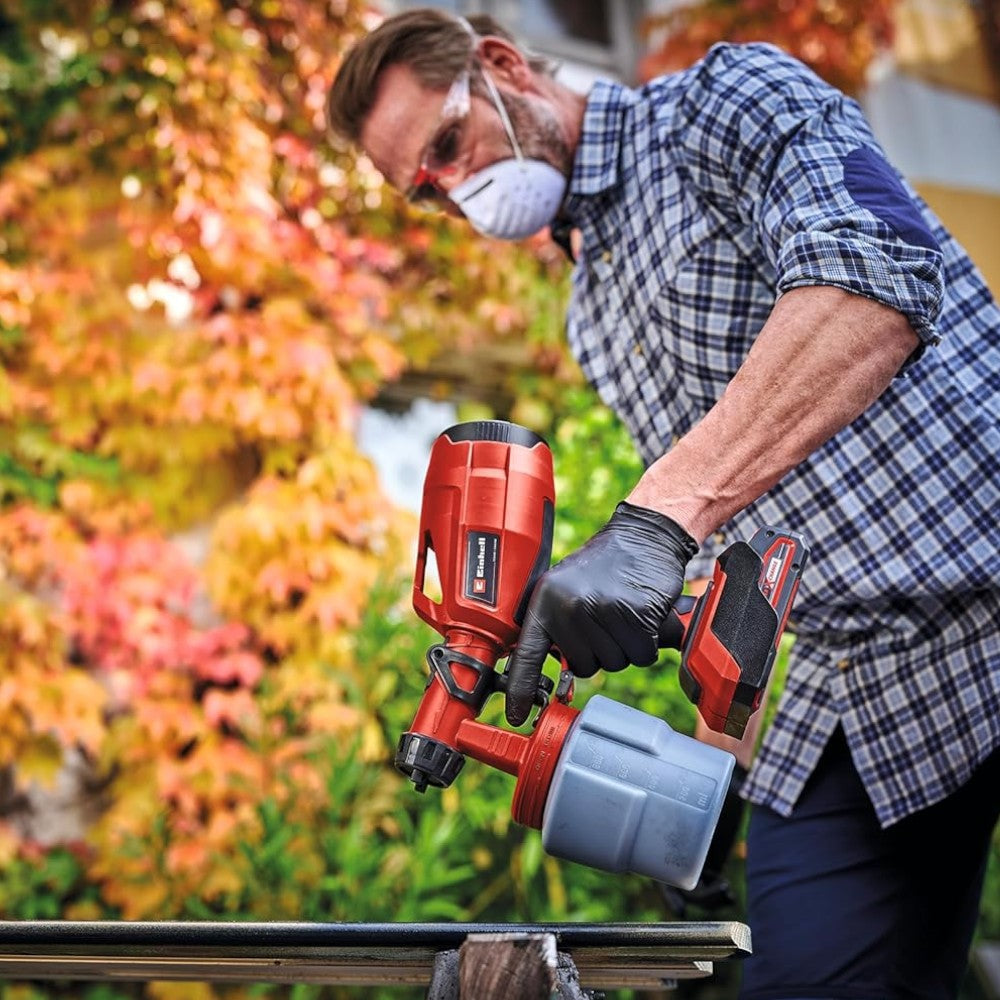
x=840, y=908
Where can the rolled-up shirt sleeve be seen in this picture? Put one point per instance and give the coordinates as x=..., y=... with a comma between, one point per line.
x=789, y=158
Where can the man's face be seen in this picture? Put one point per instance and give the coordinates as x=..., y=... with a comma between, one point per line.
x=407, y=118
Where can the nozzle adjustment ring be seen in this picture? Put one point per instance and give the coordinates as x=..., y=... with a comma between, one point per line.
x=428, y=761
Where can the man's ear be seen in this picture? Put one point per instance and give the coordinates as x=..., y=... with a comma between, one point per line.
x=505, y=62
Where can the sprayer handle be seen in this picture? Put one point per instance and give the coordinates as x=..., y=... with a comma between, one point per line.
x=674, y=627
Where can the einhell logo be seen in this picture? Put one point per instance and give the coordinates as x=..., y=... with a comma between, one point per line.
x=772, y=574
x=482, y=558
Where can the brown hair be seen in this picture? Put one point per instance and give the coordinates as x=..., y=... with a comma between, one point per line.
x=434, y=44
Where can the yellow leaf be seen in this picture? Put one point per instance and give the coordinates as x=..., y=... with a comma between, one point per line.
x=222, y=879
x=372, y=743
x=85, y=909
x=9, y=841
x=180, y=991
x=40, y=761
x=450, y=799
x=20, y=992
x=143, y=900
x=6, y=398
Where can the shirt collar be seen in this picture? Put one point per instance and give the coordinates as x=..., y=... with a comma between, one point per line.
x=596, y=164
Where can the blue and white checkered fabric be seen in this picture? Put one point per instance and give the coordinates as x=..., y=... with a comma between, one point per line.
x=701, y=198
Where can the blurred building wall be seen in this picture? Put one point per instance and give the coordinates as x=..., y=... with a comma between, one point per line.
x=934, y=103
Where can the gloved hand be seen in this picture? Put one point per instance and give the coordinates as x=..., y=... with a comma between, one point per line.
x=601, y=606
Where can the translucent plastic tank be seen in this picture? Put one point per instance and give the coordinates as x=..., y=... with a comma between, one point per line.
x=630, y=794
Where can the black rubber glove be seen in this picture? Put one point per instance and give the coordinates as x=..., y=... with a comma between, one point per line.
x=601, y=606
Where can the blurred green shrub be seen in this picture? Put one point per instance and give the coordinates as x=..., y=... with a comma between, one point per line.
x=363, y=846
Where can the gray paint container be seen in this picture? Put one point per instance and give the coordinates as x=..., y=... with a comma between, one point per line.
x=630, y=794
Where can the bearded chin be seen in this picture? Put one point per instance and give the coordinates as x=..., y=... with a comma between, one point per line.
x=538, y=133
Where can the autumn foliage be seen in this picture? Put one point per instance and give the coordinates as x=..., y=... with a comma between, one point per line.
x=837, y=38
x=198, y=290
x=203, y=613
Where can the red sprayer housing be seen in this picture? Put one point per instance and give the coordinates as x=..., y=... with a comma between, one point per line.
x=487, y=515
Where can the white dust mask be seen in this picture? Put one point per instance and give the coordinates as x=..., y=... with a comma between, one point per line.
x=513, y=198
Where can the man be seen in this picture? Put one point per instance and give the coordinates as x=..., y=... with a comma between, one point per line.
x=791, y=337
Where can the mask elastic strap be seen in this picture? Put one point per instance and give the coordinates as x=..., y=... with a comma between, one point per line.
x=508, y=127
x=494, y=92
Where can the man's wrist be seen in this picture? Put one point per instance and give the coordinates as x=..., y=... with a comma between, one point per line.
x=676, y=486
x=691, y=516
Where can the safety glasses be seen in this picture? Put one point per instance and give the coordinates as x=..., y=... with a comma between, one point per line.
x=444, y=146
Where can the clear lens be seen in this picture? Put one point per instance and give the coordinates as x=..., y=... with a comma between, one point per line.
x=444, y=146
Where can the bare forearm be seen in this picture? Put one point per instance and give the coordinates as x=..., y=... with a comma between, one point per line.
x=822, y=358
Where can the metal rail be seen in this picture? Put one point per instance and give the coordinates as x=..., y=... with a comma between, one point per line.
x=607, y=956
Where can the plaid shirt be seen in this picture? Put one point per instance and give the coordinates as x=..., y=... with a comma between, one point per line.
x=701, y=198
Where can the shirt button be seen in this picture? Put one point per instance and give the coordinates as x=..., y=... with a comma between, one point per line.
x=637, y=349
x=674, y=440
x=607, y=256
x=843, y=664
x=720, y=537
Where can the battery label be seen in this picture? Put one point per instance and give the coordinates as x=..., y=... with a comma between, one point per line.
x=482, y=557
